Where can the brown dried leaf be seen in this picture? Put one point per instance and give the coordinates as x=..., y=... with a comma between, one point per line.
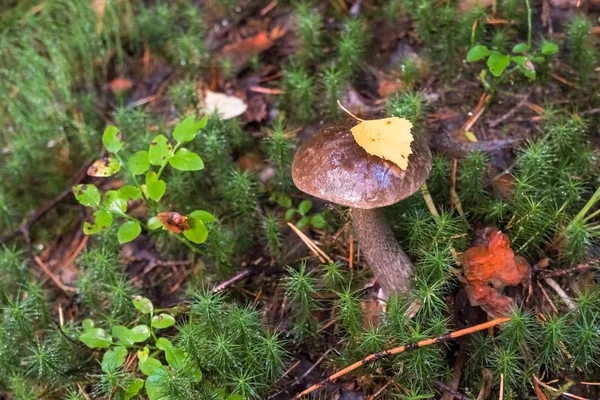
x=173, y=221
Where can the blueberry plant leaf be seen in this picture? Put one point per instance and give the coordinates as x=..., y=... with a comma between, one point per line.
x=104, y=167
x=175, y=357
x=128, y=231
x=185, y=160
x=549, y=48
x=134, y=388
x=114, y=202
x=139, y=162
x=477, y=53
x=203, y=216
x=155, y=188
x=140, y=333
x=162, y=321
x=318, y=221
x=87, y=324
x=155, y=383
x=124, y=335
x=99, y=221
x=160, y=150
x=525, y=66
x=497, y=63
x=197, y=232
x=303, y=223
x=520, y=48
x=112, y=139
x=129, y=192
x=186, y=130
x=96, y=338
x=149, y=365
x=143, y=304
x=114, y=358
x=305, y=207
x=87, y=195
x=154, y=223
x=143, y=354
x=289, y=214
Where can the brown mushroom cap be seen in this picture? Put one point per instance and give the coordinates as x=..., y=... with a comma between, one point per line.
x=330, y=165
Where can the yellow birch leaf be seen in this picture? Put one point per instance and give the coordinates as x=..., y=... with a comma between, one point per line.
x=387, y=138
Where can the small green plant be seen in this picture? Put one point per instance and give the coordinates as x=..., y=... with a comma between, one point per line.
x=316, y=220
x=113, y=205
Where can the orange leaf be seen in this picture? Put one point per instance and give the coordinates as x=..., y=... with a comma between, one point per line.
x=173, y=222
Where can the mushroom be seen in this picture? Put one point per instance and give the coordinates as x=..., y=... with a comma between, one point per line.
x=330, y=165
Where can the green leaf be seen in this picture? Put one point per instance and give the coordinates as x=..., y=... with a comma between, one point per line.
x=139, y=162
x=129, y=192
x=471, y=137
x=154, y=223
x=114, y=358
x=289, y=214
x=520, y=48
x=143, y=354
x=282, y=199
x=149, y=365
x=87, y=324
x=155, y=384
x=318, y=221
x=96, y=338
x=100, y=221
x=87, y=195
x=114, y=202
x=497, y=63
x=112, y=139
x=549, y=48
x=203, y=216
x=186, y=130
x=124, y=335
x=129, y=231
x=197, y=232
x=140, y=333
x=104, y=167
x=142, y=304
x=477, y=53
x=175, y=357
x=305, y=207
x=160, y=150
x=163, y=321
x=185, y=160
x=133, y=388
x=155, y=188
x=525, y=66
x=303, y=223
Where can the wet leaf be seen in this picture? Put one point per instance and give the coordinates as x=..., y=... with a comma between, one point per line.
x=129, y=192
x=203, y=216
x=186, y=130
x=142, y=304
x=99, y=221
x=129, y=231
x=163, y=321
x=226, y=106
x=114, y=358
x=87, y=195
x=124, y=335
x=173, y=221
x=185, y=160
x=477, y=53
x=497, y=63
x=149, y=365
x=197, y=232
x=155, y=188
x=104, y=167
x=133, y=389
x=156, y=382
x=114, y=202
x=87, y=324
x=140, y=333
x=96, y=338
x=139, y=162
x=112, y=139
x=160, y=150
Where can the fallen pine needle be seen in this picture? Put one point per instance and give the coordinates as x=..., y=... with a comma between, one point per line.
x=396, y=350
x=53, y=277
x=311, y=245
x=429, y=200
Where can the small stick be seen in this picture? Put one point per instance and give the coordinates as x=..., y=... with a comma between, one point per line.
x=311, y=245
x=429, y=200
x=396, y=350
x=453, y=195
x=54, y=278
x=566, y=394
x=501, y=387
x=236, y=278
x=580, y=267
x=381, y=389
x=548, y=297
x=265, y=90
x=560, y=292
x=497, y=121
x=351, y=255
x=446, y=388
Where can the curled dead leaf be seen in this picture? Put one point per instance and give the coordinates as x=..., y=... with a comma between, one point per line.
x=173, y=221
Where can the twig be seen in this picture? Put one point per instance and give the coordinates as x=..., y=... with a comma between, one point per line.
x=560, y=292
x=580, y=267
x=396, y=350
x=451, y=390
x=453, y=195
x=429, y=200
x=459, y=364
x=265, y=90
x=566, y=394
x=234, y=279
x=351, y=251
x=501, y=387
x=545, y=294
x=54, y=278
x=495, y=122
x=484, y=100
x=310, y=244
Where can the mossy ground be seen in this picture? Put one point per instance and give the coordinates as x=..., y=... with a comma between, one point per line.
x=533, y=173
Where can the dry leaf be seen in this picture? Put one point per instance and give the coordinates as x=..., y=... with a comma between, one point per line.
x=119, y=84
x=387, y=138
x=227, y=106
x=99, y=7
x=488, y=268
x=173, y=222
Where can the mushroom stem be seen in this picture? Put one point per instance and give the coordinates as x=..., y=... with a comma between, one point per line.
x=390, y=265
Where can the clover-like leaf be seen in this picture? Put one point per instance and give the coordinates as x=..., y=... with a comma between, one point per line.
x=128, y=231
x=203, y=216
x=96, y=338
x=114, y=202
x=477, y=53
x=112, y=139
x=142, y=304
x=305, y=206
x=124, y=335
x=155, y=188
x=549, y=48
x=114, y=358
x=318, y=221
x=139, y=162
x=160, y=150
x=497, y=63
x=87, y=195
x=185, y=160
x=129, y=192
x=303, y=222
x=104, y=167
x=140, y=333
x=162, y=321
x=197, y=232
x=289, y=214
x=98, y=222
